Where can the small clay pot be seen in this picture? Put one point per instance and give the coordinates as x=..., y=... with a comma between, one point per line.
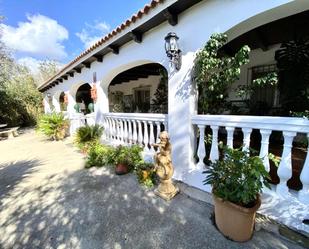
x=121, y=169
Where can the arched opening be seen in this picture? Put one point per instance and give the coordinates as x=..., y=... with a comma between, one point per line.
x=84, y=103
x=141, y=89
x=63, y=105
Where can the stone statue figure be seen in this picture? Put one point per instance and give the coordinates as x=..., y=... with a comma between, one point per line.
x=164, y=168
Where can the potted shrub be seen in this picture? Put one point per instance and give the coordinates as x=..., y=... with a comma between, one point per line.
x=126, y=157
x=237, y=181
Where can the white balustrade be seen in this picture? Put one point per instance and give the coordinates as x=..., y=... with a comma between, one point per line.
x=201, y=153
x=264, y=148
x=134, y=128
x=230, y=136
x=304, y=177
x=214, y=153
x=285, y=167
x=151, y=136
x=289, y=127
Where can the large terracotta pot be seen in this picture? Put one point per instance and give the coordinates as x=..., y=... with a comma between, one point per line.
x=235, y=222
x=121, y=169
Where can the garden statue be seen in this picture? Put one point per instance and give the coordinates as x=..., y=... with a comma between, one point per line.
x=164, y=168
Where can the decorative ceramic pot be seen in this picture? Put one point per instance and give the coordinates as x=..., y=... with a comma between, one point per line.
x=121, y=169
x=233, y=221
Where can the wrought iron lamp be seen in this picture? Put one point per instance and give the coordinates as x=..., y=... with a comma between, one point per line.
x=172, y=49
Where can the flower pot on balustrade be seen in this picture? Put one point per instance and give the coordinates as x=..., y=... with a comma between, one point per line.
x=234, y=221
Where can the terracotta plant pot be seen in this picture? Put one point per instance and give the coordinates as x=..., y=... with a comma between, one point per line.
x=233, y=221
x=121, y=169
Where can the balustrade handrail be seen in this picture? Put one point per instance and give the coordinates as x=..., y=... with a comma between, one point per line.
x=137, y=116
x=300, y=125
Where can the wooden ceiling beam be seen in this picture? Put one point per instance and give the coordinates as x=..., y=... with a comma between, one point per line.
x=86, y=64
x=170, y=16
x=114, y=49
x=98, y=57
x=136, y=36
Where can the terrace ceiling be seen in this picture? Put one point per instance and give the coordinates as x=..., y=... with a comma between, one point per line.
x=279, y=31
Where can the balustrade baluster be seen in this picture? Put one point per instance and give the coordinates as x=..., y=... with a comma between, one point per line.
x=146, y=136
x=158, y=125
x=114, y=138
x=125, y=135
x=230, y=136
x=201, y=153
x=121, y=135
x=264, y=148
x=151, y=136
x=285, y=166
x=129, y=132
x=304, y=177
x=140, y=133
x=118, y=131
x=134, y=132
x=165, y=125
x=214, y=152
x=246, y=140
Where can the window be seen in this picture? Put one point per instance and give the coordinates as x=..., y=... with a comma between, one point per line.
x=142, y=99
x=263, y=98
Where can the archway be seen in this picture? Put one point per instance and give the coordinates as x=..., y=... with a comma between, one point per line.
x=84, y=103
x=141, y=89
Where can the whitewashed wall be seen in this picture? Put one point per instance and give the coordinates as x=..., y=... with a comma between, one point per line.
x=194, y=28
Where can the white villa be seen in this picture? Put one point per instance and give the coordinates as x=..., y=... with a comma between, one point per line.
x=119, y=76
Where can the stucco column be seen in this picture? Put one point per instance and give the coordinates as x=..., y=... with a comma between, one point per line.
x=56, y=104
x=47, y=108
x=181, y=105
x=101, y=105
x=71, y=102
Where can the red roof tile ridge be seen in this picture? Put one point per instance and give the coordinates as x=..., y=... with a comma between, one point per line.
x=114, y=32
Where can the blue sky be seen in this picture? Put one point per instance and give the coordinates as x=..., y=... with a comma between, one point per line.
x=60, y=30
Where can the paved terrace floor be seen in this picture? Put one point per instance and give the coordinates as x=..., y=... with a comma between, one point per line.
x=47, y=200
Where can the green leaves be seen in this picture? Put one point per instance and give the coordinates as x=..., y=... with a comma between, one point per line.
x=214, y=73
x=88, y=133
x=53, y=125
x=238, y=178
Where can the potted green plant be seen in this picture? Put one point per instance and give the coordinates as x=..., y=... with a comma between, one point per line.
x=237, y=181
x=126, y=157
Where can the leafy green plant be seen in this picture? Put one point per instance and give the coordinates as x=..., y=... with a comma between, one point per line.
x=214, y=73
x=53, y=125
x=86, y=135
x=238, y=178
x=130, y=155
x=100, y=155
x=146, y=174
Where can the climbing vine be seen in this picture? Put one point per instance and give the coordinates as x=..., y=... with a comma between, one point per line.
x=214, y=73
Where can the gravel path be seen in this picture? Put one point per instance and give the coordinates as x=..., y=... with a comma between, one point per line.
x=47, y=200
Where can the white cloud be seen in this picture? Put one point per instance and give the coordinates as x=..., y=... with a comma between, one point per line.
x=31, y=63
x=39, y=36
x=93, y=32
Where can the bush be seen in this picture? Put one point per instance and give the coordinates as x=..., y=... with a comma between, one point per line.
x=87, y=135
x=146, y=174
x=130, y=155
x=238, y=178
x=100, y=155
x=53, y=125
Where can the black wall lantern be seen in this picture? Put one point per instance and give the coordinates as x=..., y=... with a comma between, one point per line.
x=172, y=49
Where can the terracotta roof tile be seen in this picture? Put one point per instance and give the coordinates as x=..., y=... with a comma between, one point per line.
x=114, y=32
